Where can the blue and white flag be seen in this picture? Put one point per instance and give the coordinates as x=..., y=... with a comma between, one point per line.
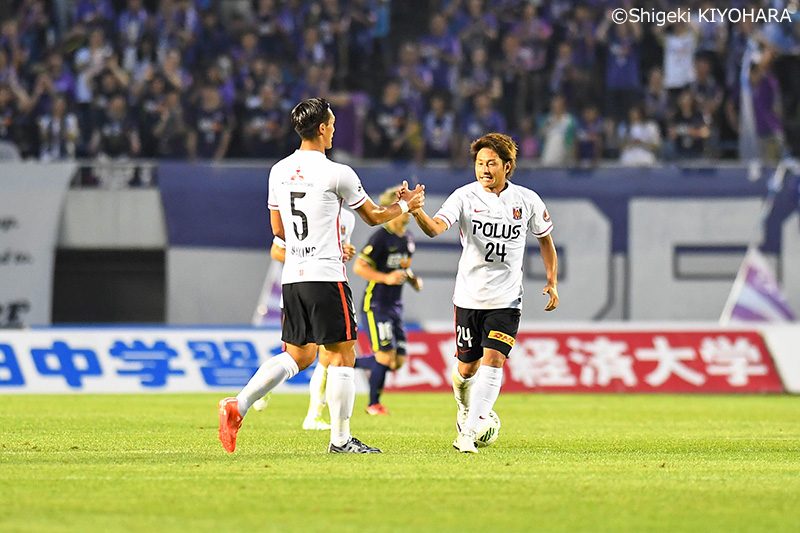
x=756, y=296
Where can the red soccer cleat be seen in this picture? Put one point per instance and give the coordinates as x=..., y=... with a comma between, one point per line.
x=229, y=423
x=377, y=409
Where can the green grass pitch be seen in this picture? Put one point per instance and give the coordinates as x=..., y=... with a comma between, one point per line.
x=562, y=463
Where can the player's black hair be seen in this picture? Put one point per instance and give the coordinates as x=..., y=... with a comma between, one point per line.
x=308, y=115
x=502, y=144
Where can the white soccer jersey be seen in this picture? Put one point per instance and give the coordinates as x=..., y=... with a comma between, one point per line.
x=308, y=189
x=493, y=231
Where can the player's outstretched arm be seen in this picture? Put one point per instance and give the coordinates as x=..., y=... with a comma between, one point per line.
x=409, y=200
x=365, y=270
x=550, y=260
x=429, y=226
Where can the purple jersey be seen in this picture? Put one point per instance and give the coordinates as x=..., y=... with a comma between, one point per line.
x=386, y=252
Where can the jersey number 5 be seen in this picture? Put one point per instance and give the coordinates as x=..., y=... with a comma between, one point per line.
x=301, y=234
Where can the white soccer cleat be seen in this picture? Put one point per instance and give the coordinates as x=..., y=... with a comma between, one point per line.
x=315, y=424
x=465, y=443
x=261, y=403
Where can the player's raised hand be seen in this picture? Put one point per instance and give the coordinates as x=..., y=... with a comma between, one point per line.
x=395, y=277
x=414, y=197
x=553, y=293
x=402, y=190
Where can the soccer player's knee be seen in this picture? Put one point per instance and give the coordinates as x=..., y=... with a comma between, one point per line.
x=386, y=358
x=467, y=370
x=493, y=358
x=304, y=360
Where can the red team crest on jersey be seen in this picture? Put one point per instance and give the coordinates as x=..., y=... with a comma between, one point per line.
x=516, y=212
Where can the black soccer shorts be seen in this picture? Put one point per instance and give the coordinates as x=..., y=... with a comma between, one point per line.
x=477, y=329
x=318, y=311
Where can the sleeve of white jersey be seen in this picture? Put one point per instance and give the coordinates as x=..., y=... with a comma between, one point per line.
x=350, y=189
x=450, y=211
x=540, y=224
x=272, y=197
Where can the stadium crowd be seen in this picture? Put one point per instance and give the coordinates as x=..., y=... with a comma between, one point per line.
x=410, y=80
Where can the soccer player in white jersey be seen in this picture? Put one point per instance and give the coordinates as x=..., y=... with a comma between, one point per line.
x=493, y=216
x=306, y=192
x=314, y=420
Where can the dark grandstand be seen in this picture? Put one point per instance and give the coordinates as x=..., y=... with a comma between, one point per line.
x=409, y=80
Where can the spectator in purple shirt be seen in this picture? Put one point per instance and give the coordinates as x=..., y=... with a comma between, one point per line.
x=526, y=138
x=116, y=134
x=439, y=129
x=767, y=108
x=314, y=52
x=215, y=75
x=484, y=118
x=131, y=26
x=58, y=132
x=265, y=126
x=705, y=89
x=150, y=112
x=656, y=99
x=416, y=79
x=390, y=126
x=580, y=32
x=213, y=39
x=441, y=52
x=622, y=79
x=272, y=35
x=589, y=137
x=60, y=74
x=210, y=127
x=534, y=33
x=181, y=23
x=688, y=130
x=34, y=26
x=55, y=79
x=477, y=77
x=171, y=129
x=476, y=26
x=360, y=44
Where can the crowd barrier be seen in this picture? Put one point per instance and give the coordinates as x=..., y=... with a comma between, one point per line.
x=672, y=358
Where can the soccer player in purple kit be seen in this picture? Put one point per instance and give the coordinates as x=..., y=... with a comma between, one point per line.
x=385, y=263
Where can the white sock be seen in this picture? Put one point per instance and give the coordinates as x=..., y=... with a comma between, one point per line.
x=269, y=375
x=316, y=391
x=341, y=395
x=483, y=395
x=461, y=388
